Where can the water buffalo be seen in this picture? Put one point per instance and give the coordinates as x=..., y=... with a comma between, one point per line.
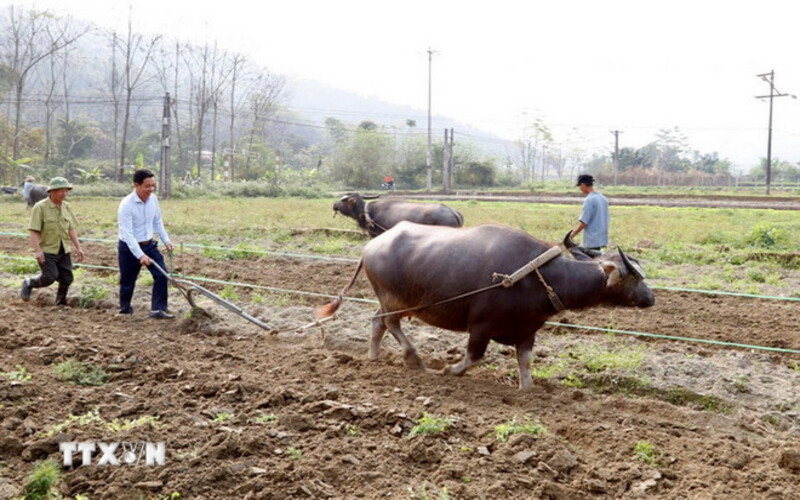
x=36, y=194
x=415, y=269
x=378, y=216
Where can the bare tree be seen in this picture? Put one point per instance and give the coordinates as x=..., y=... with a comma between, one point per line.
x=526, y=152
x=49, y=106
x=214, y=73
x=114, y=88
x=264, y=101
x=238, y=62
x=30, y=37
x=137, y=53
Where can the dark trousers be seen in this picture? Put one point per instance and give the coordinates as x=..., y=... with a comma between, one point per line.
x=56, y=267
x=129, y=267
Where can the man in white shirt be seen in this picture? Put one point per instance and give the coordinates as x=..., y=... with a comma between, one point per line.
x=139, y=220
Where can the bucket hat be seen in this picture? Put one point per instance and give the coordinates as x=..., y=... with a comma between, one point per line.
x=58, y=183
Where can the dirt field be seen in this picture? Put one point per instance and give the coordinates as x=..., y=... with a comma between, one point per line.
x=247, y=414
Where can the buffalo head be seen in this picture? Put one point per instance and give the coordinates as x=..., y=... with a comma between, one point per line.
x=352, y=205
x=625, y=284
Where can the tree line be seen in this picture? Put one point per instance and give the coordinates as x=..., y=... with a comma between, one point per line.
x=86, y=103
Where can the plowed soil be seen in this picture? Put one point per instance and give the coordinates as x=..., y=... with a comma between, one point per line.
x=246, y=413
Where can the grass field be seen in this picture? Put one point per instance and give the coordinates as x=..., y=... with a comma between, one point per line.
x=741, y=250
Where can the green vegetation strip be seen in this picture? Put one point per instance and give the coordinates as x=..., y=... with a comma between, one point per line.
x=227, y=249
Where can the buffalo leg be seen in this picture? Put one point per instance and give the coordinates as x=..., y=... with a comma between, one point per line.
x=379, y=326
x=524, y=351
x=476, y=348
x=378, y=329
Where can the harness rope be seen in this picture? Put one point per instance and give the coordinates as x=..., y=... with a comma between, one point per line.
x=534, y=265
x=370, y=221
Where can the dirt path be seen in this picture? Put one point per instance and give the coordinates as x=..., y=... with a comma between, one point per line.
x=774, y=203
x=245, y=414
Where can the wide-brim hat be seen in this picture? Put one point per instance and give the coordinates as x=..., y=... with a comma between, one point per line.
x=30, y=178
x=58, y=183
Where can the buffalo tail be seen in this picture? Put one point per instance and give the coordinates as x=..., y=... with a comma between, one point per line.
x=331, y=307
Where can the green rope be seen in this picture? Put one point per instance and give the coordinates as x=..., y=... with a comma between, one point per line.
x=672, y=337
x=718, y=292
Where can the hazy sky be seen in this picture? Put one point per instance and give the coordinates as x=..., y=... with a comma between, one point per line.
x=595, y=66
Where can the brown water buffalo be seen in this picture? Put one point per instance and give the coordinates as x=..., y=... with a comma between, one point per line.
x=414, y=269
x=378, y=216
x=37, y=194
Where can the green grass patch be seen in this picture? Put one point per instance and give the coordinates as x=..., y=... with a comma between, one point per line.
x=551, y=370
x=423, y=493
x=684, y=397
x=84, y=374
x=124, y=424
x=18, y=375
x=532, y=427
x=229, y=292
x=18, y=265
x=613, y=383
x=428, y=425
x=645, y=452
x=91, y=294
x=596, y=358
x=220, y=252
x=87, y=418
x=223, y=416
x=268, y=418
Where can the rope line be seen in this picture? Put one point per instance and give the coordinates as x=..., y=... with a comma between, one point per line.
x=672, y=337
x=375, y=302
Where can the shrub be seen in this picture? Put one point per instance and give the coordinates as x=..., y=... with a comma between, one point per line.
x=45, y=476
x=764, y=235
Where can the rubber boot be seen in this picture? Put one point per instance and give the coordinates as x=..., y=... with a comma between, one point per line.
x=61, y=294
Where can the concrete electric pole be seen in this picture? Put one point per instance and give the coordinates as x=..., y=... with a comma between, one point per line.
x=428, y=160
x=616, y=153
x=164, y=188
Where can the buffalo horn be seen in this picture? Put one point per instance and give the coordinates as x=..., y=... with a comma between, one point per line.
x=371, y=197
x=634, y=268
x=568, y=240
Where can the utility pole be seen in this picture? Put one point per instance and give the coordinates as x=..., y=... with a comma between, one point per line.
x=616, y=153
x=447, y=161
x=773, y=92
x=163, y=174
x=428, y=160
